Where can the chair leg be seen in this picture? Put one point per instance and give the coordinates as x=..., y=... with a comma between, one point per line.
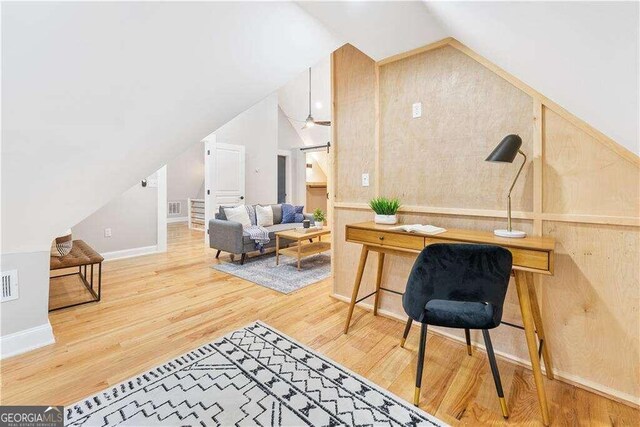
x=243, y=258
x=423, y=344
x=467, y=336
x=495, y=372
x=407, y=328
x=218, y=253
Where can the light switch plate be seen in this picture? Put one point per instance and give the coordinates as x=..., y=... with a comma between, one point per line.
x=417, y=110
x=107, y=232
x=365, y=179
x=152, y=182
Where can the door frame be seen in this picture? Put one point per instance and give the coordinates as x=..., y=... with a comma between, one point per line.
x=210, y=145
x=288, y=182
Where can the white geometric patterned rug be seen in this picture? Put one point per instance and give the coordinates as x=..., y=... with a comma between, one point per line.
x=253, y=376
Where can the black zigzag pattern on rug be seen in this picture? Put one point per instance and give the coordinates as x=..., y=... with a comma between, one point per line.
x=253, y=376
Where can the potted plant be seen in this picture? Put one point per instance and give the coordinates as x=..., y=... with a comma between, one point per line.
x=385, y=210
x=319, y=217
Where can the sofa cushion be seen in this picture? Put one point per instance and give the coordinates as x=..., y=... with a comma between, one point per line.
x=277, y=214
x=273, y=229
x=238, y=214
x=264, y=216
x=288, y=213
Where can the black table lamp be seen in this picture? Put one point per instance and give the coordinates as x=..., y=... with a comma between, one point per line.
x=507, y=151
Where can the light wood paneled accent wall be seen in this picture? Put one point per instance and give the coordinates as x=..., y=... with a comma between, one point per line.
x=578, y=186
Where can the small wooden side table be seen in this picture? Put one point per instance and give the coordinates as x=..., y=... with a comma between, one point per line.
x=302, y=250
x=81, y=256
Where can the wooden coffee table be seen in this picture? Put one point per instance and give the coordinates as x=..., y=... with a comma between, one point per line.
x=302, y=249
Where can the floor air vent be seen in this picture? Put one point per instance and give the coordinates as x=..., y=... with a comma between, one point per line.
x=9, y=285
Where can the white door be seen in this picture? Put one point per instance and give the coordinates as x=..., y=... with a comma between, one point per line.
x=224, y=177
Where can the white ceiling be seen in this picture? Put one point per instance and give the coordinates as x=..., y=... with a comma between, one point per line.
x=97, y=96
x=582, y=55
x=293, y=99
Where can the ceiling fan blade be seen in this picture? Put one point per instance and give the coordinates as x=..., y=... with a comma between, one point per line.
x=323, y=122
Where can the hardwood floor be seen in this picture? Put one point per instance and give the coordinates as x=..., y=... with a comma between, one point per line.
x=157, y=307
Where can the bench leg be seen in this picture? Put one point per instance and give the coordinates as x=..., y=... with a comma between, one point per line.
x=218, y=253
x=243, y=258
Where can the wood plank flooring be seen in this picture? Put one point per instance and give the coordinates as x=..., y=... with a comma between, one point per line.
x=157, y=307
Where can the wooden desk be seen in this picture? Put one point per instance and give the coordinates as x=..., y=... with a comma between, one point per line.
x=530, y=255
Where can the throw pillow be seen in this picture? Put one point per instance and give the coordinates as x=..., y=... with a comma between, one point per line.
x=299, y=214
x=288, y=213
x=264, y=215
x=238, y=214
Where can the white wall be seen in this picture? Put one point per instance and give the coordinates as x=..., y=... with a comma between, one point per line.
x=132, y=217
x=185, y=177
x=98, y=95
x=256, y=129
x=288, y=139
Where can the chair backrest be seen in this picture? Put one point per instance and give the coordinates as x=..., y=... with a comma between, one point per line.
x=458, y=272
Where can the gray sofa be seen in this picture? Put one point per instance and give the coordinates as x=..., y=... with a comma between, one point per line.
x=228, y=236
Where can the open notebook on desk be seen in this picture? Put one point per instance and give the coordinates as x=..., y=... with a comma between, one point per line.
x=419, y=228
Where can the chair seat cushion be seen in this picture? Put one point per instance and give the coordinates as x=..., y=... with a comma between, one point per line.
x=460, y=314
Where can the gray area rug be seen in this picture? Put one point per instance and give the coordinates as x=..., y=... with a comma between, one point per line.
x=253, y=376
x=285, y=277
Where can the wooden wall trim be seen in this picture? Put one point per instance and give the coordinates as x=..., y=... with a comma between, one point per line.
x=581, y=124
x=422, y=49
x=488, y=213
x=538, y=164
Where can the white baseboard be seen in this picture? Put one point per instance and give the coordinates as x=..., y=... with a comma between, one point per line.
x=177, y=219
x=129, y=253
x=27, y=340
x=567, y=377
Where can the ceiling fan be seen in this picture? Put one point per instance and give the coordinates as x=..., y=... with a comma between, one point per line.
x=310, y=122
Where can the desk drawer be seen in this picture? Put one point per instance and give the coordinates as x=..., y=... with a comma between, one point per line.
x=527, y=258
x=383, y=238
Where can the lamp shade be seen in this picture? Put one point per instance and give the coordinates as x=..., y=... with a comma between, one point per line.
x=507, y=150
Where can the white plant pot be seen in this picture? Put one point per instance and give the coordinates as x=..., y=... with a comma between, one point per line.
x=385, y=219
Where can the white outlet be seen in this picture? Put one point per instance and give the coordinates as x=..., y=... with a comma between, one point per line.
x=152, y=182
x=107, y=232
x=365, y=179
x=417, y=110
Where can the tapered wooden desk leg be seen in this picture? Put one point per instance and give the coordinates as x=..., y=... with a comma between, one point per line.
x=537, y=320
x=378, y=282
x=529, y=331
x=356, y=285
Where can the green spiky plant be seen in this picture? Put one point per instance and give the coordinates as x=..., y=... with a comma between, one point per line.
x=385, y=206
x=319, y=216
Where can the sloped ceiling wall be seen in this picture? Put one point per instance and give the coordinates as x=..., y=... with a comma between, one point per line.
x=96, y=96
x=293, y=99
x=582, y=55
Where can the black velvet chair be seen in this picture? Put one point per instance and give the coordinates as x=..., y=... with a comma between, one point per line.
x=458, y=286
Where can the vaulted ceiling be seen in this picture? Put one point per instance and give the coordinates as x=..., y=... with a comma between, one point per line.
x=96, y=96
x=582, y=55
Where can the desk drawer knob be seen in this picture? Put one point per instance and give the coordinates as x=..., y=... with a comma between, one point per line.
x=381, y=237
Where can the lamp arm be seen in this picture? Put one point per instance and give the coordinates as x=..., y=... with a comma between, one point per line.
x=511, y=189
x=519, y=170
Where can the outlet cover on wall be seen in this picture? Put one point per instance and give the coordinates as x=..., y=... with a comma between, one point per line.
x=107, y=232
x=365, y=179
x=417, y=110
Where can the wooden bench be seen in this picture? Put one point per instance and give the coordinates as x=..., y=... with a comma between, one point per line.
x=81, y=256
